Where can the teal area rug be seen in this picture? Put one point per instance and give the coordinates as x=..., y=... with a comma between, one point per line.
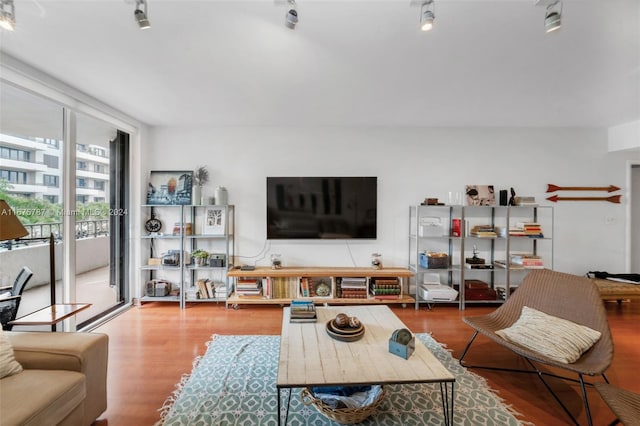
x=234, y=384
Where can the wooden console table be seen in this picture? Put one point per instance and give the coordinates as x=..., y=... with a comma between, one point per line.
x=402, y=274
x=51, y=315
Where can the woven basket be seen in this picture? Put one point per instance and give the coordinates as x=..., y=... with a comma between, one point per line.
x=344, y=416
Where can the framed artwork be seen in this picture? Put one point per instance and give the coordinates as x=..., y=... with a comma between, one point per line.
x=214, y=221
x=480, y=195
x=169, y=188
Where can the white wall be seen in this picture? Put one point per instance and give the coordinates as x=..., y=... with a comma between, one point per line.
x=625, y=136
x=411, y=164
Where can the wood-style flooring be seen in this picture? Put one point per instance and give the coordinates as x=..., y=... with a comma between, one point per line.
x=152, y=346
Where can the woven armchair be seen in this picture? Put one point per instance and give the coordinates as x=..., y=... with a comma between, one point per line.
x=624, y=404
x=562, y=295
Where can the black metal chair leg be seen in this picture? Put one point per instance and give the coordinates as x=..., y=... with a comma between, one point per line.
x=467, y=348
x=586, y=401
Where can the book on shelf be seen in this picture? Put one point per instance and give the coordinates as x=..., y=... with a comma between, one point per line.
x=527, y=229
x=483, y=231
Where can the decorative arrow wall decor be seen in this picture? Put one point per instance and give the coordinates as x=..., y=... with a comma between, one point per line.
x=610, y=188
x=611, y=199
x=553, y=188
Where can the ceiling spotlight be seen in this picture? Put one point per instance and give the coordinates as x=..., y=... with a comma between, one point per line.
x=427, y=15
x=553, y=17
x=141, y=15
x=7, y=15
x=291, y=18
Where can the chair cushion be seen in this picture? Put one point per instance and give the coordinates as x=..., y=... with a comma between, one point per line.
x=8, y=363
x=556, y=338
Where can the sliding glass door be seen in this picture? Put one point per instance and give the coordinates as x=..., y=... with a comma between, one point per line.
x=48, y=174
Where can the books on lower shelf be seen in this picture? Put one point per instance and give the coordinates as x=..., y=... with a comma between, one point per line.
x=208, y=289
x=248, y=287
x=302, y=311
x=385, y=288
x=520, y=261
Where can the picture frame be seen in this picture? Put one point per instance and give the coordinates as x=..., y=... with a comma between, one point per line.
x=214, y=221
x=480, y=195
x=169, y=187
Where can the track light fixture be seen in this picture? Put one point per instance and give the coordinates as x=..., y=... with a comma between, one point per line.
x=553, y=16
x=7, y=15
x=427, y=15
x=291, y=18
x=141, y=15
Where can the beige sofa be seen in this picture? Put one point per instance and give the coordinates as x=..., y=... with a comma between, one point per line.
x=63, y=382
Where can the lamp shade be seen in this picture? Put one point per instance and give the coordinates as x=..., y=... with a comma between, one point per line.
x=10, y=226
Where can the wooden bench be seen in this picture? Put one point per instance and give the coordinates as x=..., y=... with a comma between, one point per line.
x=615, y=290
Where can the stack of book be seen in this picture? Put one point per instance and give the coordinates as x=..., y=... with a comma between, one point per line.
x=385, y=288
x=248, y=287
x=205, y=288
x=483, y=231
x=531, y=229
x=527, y=261
x=353, y=288
x=303, y=311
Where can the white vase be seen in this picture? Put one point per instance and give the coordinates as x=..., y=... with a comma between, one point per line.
x=197, y=195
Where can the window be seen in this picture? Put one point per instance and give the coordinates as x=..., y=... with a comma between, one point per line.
x=82, y=199
x=53, y=199
x=50, y=161
x=99, y=168
x=12, y=176
x=81, y=182
x=98, y=184
x=81, y=165
x=15, y=154
x=98, y=199
x=50, y=180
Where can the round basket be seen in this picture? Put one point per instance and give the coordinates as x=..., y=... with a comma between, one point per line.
x=344, y=416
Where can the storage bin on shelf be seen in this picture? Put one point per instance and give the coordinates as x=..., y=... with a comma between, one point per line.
x=434, y=260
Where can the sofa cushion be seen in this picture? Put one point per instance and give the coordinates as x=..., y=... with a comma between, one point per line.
x=8, y=363
x=556, y=338
x=39, y=397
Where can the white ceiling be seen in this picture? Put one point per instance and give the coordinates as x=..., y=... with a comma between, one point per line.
x=227, y=63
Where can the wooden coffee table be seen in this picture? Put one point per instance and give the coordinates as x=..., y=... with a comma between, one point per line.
x=310, y=357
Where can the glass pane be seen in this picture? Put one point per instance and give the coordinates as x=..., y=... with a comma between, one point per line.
x=31, y=164
x=93, y=236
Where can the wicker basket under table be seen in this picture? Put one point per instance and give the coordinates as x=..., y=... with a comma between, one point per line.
x=345, y=416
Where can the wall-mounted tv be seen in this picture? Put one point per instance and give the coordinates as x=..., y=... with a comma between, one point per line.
x=322, y=207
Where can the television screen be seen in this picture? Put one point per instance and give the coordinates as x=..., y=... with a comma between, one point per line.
x=321, y=207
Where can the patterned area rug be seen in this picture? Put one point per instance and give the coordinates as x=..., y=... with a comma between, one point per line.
x=234, y=384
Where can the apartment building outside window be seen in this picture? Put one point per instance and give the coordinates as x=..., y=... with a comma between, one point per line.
x=50, y=180
x=13, y=176
x=15, y=154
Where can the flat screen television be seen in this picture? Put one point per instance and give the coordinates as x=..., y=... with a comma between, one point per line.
x=321, y=207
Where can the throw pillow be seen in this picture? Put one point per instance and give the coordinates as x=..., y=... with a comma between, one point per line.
x=8, y=363
x=556, y=338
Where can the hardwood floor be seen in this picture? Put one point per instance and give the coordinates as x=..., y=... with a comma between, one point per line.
x=153, y=345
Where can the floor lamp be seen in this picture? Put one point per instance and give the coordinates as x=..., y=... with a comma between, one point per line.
x=12, y=229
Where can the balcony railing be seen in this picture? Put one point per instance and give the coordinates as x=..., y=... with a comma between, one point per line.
x=84, y=229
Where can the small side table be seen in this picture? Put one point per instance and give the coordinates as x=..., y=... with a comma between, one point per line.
x=51, y=315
